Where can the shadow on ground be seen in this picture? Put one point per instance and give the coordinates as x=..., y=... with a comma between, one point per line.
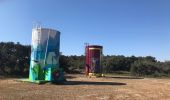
x=121, y=77
x=91, y=83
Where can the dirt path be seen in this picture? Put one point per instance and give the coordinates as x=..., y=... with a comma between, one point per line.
x=79, y=87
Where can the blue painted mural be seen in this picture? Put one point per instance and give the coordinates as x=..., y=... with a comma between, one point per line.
x=44, y=64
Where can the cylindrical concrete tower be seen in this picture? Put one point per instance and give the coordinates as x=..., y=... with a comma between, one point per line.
x=44, y=64
x=93, y=59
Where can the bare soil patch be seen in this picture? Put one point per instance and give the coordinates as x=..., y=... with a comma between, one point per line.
x=79, y=87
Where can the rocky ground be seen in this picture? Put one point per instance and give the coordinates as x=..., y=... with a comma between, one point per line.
x=79, y=87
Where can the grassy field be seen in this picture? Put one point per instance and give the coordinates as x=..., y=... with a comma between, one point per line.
x=79, y=87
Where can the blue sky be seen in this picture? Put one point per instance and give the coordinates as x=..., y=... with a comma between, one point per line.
x=122, y=27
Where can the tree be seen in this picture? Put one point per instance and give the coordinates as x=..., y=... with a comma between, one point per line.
x=144, y=67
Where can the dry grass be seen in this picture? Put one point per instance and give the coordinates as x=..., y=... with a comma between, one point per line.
x=80, y=87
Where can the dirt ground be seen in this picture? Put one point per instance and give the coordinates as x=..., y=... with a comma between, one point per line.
x=79, y=87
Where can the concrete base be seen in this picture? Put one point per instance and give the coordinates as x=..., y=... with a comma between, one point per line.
x=36, y=82
x=40, y=81
x=95, y=75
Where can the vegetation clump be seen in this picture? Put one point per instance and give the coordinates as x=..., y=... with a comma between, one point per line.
x=15, y=60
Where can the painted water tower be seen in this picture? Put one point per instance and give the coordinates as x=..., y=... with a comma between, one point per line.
x=44, y=64
x=93, y=57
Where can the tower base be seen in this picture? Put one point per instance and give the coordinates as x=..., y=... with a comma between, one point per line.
x=40, y=76
x=96, y=75
x=29, y=81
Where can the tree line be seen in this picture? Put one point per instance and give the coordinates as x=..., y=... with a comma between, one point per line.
x=15, y=60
